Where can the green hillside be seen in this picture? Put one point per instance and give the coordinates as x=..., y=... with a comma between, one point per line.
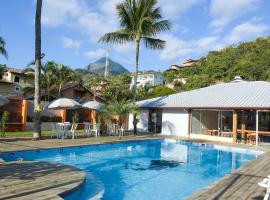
x=250, y=60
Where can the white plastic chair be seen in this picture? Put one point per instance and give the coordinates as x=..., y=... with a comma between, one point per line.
x=266, y=184
x=96, y=130
x=87, y=128
x=73, y=130
x=60, y=129
x=109, y=129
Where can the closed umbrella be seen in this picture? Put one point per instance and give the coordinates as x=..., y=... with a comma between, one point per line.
x=93, y=105
x=3, y=100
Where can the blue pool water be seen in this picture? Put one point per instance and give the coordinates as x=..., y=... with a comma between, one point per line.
x=153, y=169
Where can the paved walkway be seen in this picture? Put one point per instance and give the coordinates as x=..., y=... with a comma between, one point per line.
x=37, y=180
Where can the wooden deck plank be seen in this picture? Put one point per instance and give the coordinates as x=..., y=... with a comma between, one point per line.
x=240, y=184
x=37, y=180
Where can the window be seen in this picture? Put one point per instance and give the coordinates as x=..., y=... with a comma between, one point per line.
x=17, y=89
x=16, y=79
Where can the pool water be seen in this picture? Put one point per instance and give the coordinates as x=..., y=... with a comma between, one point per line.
x=152, y=169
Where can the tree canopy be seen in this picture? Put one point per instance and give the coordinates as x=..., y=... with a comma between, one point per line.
x=250, y=60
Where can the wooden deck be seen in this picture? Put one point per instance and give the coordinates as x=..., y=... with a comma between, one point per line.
x=241, y=184
x=37, y=180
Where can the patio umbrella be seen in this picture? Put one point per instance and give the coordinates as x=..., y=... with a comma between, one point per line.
x=3, y=100
x=63, y=103
x=94, y=105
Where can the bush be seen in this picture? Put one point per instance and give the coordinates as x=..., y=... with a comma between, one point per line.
x=4, y=120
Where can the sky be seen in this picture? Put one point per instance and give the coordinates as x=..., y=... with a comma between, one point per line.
x=71, y=29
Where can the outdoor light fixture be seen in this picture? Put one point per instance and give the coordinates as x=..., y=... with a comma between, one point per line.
x=42, y=55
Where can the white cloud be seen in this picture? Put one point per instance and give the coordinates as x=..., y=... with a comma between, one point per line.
x=174, y=8
x=78, y=15
x=246, y=31
x=61, y=12
x=95, y=54
x=224, y=11
x=71, y=43
x=177, y=49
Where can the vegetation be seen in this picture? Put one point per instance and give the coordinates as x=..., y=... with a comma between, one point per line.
x=3, y=50
x=2, y=70
x=161, y=91
x=140, y=20
x=250, y=60
x=52, y=77
x=119, y=109
x=4, y=120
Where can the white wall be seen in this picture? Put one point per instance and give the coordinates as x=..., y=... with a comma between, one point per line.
x=143, y=121
x=174, y=122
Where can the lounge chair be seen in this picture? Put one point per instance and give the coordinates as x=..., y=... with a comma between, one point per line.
x=266, y=184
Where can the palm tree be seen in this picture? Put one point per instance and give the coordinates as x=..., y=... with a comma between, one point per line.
x=3, y=50
x=140, y=20
x=37, y=103
x=66, y=74
x=119, y=109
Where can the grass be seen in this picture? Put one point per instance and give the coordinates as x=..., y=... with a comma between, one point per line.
x=30, y=133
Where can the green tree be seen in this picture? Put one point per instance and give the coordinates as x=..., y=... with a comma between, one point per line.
x=37, y=102
x=140, y=20
x=3, y=50
x=117, y=88
x=161, y=91
x=2, y=70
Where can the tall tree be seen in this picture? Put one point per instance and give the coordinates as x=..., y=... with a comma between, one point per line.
x=140, y=20
x=3, y=50
x=37, y=103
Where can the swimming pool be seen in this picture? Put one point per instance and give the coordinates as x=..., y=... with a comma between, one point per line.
x=151, y=169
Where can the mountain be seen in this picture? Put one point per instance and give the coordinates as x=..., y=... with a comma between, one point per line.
x=98, y=67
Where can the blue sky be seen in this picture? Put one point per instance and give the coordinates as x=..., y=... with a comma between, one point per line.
x=71, y=28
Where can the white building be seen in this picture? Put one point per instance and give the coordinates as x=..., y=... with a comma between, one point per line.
x=238, y=111
x=150, y=78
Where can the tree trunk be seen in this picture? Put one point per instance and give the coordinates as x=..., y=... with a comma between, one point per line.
x=59, y=90
x=37, y=106
x=134, y=88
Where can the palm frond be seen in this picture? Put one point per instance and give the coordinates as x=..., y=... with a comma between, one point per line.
x=3, y=50
x=153, y=43
x=118, y=37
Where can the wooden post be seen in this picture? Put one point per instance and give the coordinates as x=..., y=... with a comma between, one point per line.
x=235, y=126
x=94, y=114
x=64, y=115
x=24, y=114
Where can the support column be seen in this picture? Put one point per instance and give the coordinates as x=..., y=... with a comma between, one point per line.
x=235, y=115
x=94, y=114
x=257, y=127
x=24, y=113
x=64, y=115
x=189, y=122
